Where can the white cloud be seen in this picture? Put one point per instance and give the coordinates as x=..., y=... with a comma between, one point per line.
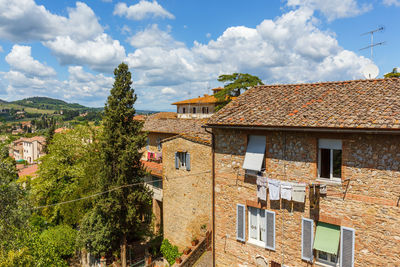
x=289, y=48
x=20, y=59
x=23, y=20
x=333, y=9
x=101, y=53
x=81, y=86
x=168, y=91
x=391, y=3
x=143, y=9
x=76, y=39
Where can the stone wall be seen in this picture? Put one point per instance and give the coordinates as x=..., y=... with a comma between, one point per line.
x=153, y=138
x=186, y=194
x=369, y=205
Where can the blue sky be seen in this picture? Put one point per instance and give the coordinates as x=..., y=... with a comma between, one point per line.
x=176, y=49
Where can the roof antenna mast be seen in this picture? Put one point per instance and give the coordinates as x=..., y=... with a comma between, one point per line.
x=371, y=71
x=372, y=45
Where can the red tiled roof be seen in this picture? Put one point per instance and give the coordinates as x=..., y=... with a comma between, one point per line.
x=359, y=104
x=174, y=126
x=198, y=138
x=30, y=170
x=164, y=115
x=153, y=167
x=206, y=99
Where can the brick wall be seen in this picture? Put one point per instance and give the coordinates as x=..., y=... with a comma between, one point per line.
x=369, y=205
x=187, y=194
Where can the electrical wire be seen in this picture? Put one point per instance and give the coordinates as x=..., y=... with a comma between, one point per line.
x=116, y=188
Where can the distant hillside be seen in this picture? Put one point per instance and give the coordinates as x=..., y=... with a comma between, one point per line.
x=3, y=102
x=48, y=104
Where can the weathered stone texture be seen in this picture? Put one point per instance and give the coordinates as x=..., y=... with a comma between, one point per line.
x=187, y=194
x=368, y=206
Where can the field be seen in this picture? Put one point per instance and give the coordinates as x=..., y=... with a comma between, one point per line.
x=27, y=109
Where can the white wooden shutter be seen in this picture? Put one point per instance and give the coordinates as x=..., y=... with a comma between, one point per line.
x=307, y=237
x=176, y=161
x=188, y=161
x=347, y=238
x=270, y=228
x=240, y=222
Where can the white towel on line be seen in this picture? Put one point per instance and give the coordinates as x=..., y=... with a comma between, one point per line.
x=274, y=189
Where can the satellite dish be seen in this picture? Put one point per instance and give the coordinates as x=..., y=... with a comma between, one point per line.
x=370, y=71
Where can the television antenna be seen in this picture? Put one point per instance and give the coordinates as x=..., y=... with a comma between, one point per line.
x=372, y=45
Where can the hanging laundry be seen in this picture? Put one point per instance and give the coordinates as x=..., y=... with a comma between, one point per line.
x=299, y=192
x=274, y=187
x=262, y=187
x=148, y=155
x=286, y=190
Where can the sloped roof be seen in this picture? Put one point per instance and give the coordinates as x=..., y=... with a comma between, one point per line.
x=362, y=104
x=197, y=138
x=40, y=139
x=153, y=167
x=174, y=125
x=30, y=170
x=206, y=99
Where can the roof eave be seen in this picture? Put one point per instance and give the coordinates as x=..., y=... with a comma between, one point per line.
x=305, y=129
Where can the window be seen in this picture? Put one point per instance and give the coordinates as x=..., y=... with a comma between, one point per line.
x=205, y=110
x=256, y=226
x=194, y=110
x=254, y=159
x=159, y=144
x=148, y=143
x=182, y=160
x=330, y=159
x=183, y=110
x=327, y=258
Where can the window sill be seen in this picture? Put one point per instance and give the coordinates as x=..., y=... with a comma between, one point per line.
x=329, y=181
x=256, y=243
x=321, y=264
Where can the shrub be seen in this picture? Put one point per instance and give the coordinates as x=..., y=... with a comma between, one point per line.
x=169, y=252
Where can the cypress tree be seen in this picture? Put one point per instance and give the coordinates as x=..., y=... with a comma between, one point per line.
x=128, y=207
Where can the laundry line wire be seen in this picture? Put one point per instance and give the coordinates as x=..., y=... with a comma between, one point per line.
x=115, y=188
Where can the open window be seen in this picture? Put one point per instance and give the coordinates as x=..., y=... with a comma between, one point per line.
x=254, y=159
x=330, y=159
x=326, y=244
x=182, y=160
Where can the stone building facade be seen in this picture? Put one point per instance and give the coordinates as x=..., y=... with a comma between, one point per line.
x=302, y=127
x=367, y=202
x=187, y=188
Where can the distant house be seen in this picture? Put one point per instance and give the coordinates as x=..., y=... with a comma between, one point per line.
x=308, y=175
x=198, y=108
x=33, y=148
x=17, y=149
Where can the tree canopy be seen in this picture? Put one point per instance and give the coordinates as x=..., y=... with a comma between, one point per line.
x=235, y=84
x=393, y=74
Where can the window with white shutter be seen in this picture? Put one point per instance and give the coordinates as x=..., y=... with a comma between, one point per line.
x=270, y=230
x=307, y=230
x=240, y=222
x=347, y=238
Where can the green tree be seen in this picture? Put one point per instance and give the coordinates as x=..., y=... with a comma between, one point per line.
x=126, y=207
x=68, y=172
x=393, y=74
x=235, y=84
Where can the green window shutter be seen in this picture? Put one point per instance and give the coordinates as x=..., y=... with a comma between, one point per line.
x=240, y=222
x=347, y=239
x=188, y=161
x=176, y=161
x=307, y=228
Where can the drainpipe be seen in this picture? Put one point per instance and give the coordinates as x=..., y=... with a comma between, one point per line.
x=213, y=192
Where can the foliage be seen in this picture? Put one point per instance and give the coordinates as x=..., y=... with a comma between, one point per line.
x=393, y=74
x=169, y=252
x=125, y=208
x=236, y=83
x=47, y=103
x=54, y=245
x=96, y=233
x=68, y=171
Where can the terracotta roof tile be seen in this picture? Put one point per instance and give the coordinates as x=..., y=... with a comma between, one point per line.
x=369, y=104
x=209, y=99
x=153, y=167
x=174, y=125
x=203, y=138
x=30, y=170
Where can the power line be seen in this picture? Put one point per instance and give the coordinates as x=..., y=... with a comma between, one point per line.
x=116, y=188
